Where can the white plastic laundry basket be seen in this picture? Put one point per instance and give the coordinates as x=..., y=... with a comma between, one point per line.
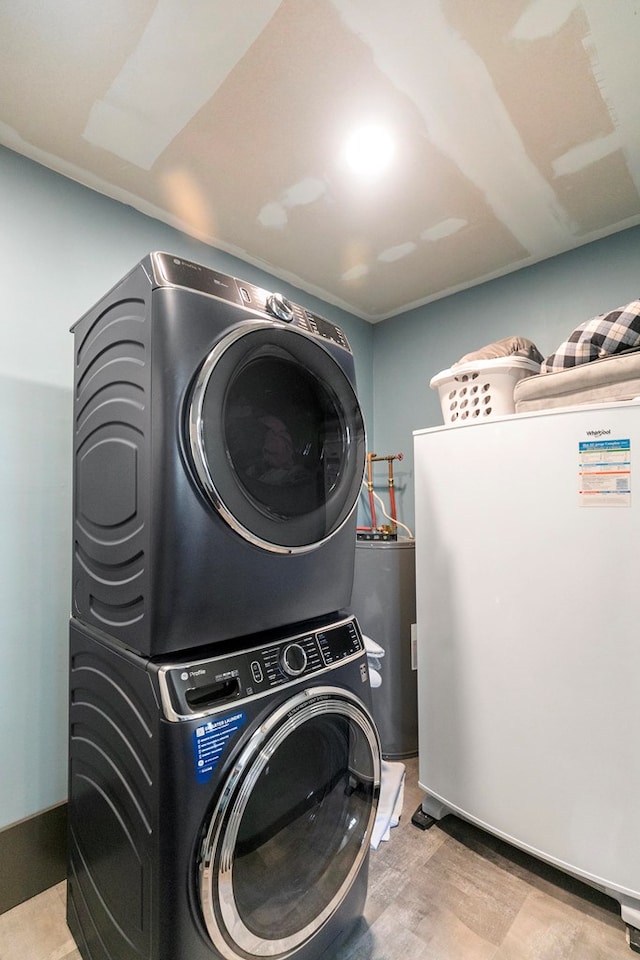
x=481, y=389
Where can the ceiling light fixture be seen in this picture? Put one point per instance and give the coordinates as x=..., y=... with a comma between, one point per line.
x=369, y=150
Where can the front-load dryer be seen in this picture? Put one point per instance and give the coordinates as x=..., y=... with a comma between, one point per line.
x=220, y=808
x=219, y=451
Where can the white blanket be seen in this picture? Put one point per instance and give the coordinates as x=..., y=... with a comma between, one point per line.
x=391, y=800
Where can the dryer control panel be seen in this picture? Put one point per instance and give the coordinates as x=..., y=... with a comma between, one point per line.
x=202, y=687
x=176, y=271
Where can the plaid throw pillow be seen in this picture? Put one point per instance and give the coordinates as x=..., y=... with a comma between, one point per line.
x=600, y=337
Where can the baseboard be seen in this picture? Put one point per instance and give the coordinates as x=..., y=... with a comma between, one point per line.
x=33, y=854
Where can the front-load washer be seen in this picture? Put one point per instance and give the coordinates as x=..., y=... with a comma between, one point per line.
x=220, y=808
x=219, y=451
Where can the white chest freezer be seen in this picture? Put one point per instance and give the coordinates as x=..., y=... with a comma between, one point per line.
x=528, y=573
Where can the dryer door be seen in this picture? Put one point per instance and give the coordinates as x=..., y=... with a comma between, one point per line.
x=277, y=437
x=292, y=827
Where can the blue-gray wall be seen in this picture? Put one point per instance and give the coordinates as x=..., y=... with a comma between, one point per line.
x=543, y=302
x=61, y=247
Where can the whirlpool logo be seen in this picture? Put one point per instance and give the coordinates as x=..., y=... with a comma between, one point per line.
x=598, y=433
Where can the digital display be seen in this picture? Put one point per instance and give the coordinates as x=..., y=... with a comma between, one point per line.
x=339, y=643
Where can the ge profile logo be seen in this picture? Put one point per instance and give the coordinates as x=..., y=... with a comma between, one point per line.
x=184, y=675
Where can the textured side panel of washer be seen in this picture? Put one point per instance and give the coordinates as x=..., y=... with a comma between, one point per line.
x=112, y=818
x=111, y=459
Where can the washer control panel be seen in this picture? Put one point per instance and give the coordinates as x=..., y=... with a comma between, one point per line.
x=176, y=271
x=202, y=687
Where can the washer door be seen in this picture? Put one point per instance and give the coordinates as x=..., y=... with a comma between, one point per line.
x=277, y=437
x=292, y=825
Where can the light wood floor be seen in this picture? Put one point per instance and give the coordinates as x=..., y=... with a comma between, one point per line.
x=450, y=893
x=455, y=893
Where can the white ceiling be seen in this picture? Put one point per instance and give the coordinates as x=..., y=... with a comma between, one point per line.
x=516, y=124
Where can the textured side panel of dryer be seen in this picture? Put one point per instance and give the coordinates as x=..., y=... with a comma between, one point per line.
x=112, y=421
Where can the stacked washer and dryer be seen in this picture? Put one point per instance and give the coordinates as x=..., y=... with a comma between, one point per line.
x=224, y=768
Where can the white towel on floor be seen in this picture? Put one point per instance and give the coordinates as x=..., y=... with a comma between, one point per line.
x=391, y=799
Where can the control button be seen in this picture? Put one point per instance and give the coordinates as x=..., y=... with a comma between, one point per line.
x=293, y=660
x=256, y=671
x=280, y=307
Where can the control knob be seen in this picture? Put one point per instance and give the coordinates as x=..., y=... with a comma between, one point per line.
x=280, y=307
x=293, y=660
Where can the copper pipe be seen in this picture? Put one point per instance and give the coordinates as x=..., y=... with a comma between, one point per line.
x=372, y=503
x=374, y=458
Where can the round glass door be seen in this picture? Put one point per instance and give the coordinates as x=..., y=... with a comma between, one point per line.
x=292, y=826
x=277, y=437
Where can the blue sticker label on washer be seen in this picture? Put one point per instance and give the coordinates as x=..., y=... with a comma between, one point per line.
x=210, y=740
